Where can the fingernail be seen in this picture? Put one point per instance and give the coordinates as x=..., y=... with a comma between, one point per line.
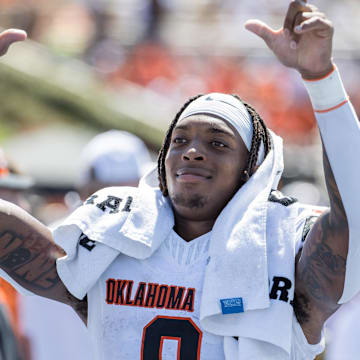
x=293, y=45
x=297, y=28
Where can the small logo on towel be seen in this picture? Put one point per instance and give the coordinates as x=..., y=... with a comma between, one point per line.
x=232, y=306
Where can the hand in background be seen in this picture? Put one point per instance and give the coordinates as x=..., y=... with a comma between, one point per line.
x=10, y=36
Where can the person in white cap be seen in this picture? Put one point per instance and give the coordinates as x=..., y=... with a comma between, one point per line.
x=113, y=158
x=211, y=261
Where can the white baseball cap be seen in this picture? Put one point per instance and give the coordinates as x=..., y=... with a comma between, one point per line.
x=114, y=157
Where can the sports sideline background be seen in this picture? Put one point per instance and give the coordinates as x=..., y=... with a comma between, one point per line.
x=92, y=65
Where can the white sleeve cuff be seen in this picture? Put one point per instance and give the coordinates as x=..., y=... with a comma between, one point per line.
x=327, y=93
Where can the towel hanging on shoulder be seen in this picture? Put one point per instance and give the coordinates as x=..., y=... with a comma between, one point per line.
x=251, y=242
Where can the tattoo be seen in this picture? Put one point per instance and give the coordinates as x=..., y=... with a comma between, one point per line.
x=28, y=260
x=322, y=272
x=321, y=269
x=301, y=308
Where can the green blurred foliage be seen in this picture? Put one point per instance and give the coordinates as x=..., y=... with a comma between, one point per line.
x=28, y=102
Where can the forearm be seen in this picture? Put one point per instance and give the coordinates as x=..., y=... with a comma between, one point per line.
x=27, y=253
x=340, y=133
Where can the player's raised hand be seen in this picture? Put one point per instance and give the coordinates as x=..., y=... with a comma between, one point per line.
x=10, y=36
x=304, y=42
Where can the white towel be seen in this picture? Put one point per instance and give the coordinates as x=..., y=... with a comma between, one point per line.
x=136, y=233
x=246, y=233
x=238, y=243
x=262, y=332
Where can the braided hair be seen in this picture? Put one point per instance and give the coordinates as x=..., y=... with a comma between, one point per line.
x=260, y=135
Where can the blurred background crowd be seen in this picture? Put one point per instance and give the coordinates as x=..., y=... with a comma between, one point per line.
x=94, y=65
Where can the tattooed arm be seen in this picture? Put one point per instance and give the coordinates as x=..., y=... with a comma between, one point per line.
x=320, y=270
x=27, y=252
x=305, y=44
x=28, y=255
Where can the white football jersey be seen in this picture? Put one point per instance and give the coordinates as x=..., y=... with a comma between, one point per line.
x=149, y=309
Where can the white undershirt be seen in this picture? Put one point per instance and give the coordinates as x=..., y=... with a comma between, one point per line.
x=186, y=253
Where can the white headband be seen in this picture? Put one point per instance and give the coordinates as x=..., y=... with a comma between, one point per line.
x=229, y=108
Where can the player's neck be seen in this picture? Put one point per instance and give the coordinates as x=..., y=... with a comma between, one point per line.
x=192, y=229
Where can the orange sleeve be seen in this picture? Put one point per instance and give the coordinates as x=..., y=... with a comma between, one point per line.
x=9, y=297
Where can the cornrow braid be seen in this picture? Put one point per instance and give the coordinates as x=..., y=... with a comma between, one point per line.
x=260, y=134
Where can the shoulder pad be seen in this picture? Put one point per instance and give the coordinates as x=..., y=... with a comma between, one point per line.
x=278, y=197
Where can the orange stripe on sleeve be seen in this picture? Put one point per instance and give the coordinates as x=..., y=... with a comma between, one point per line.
x=323, y=77
x=332, y=108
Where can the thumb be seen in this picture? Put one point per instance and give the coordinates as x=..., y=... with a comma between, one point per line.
x=260, y=29
x=10, y=36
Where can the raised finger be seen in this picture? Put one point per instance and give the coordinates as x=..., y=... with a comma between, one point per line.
x=295, y=7
x=308, y=15
x=302, y=16
x=262, y=30
x=314, y=23
x=313, y=7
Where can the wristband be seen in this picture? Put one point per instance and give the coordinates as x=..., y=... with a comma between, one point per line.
x=327, y=93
